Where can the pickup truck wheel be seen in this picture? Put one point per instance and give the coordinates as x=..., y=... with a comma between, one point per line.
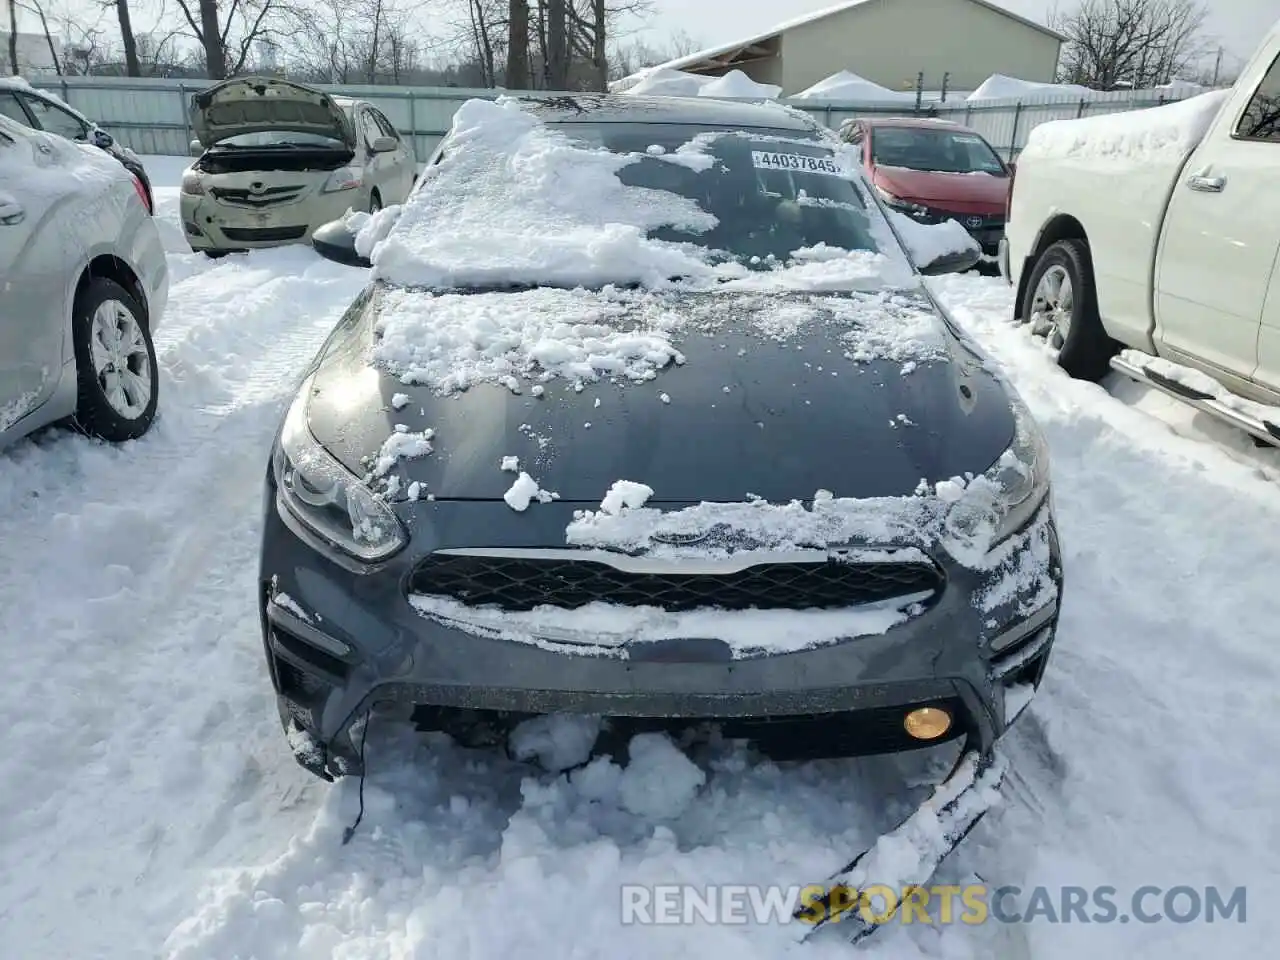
x=1061, y=304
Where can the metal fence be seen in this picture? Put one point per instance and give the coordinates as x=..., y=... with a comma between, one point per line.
x=152, y=115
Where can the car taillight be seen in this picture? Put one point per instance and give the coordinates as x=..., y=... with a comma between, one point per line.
x=142, y=194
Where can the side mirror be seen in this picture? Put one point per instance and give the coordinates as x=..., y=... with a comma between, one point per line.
x=936, y=248
x=195, y=148
x=335, y=242
x=384, y=144
x=101, y=139
x=957, y=261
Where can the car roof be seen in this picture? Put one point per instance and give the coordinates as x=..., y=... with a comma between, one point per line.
x=922, y=123
x=603, y=108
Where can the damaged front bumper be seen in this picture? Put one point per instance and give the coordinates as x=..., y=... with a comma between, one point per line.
x=339, y=639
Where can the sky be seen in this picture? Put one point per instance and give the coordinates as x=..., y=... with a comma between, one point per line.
x=1237, y=25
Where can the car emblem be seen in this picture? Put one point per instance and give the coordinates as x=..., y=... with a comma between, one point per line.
x=679, y=539
x=257, y=188
x=974, y=221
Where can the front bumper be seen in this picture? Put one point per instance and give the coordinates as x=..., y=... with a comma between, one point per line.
x=339, y=639
x=212, y=225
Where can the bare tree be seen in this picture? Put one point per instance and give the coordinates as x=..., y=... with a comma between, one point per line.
x=33, y=6
x=227, y=30
x=1139, y=43
x=517, y=44
x=13, y=37
x=130, y=43
x=628, y=58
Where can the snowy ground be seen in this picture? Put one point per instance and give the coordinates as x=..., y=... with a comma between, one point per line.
x=151, y=806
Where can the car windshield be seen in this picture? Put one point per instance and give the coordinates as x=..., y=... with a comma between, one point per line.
x=772, y=191
x=267, y=139
x=934, y=150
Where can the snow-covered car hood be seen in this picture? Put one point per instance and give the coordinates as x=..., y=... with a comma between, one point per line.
x=708, y=395
x=256, y=104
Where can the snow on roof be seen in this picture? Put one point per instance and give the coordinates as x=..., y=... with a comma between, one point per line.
x=678, y=83
x=846, y=85
x=1156, y=132
x=1000, y=87
x=693, y=58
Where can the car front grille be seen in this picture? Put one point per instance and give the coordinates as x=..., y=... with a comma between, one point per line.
x=264, y=234
x=264, y=197
x=523, y=583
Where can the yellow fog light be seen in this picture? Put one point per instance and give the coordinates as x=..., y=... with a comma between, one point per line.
x=927, y=723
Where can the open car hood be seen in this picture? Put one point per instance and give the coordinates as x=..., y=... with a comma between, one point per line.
x=257, y=104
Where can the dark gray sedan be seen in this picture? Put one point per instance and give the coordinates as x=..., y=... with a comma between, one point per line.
x=751, y=474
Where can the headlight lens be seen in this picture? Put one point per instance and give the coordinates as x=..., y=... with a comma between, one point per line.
x=192, y=185
x=344, y=178
x=326, y=497
x=1003, y=500
x=902, y=206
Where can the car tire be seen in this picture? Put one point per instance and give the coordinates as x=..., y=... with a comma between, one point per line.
x=118, y=378
x=215, y=254
x=1085, y=350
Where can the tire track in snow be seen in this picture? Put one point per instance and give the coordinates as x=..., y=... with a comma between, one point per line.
x=157, y=704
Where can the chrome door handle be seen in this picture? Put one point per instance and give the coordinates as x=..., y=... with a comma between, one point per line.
x=1207, y=184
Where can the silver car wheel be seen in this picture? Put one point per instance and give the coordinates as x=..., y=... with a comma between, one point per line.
x=121, y=360
x=1052, y=305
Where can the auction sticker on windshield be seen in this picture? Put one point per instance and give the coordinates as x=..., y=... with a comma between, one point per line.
x=794, y=161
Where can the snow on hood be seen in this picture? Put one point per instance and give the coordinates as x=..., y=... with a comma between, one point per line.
x=849, y=86
x=575, y=222
x=1168, y=132
x=42, y=162
x=524, y=339
x=999, y=87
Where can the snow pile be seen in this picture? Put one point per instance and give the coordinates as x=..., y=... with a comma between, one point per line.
x=625, y=494
x=659, y=782
x=575, y=224
x=737, y=85
x=999, y=87
x=928, y=242
x=557, y=741
x=1169, y=132
x=608, y=629
x=849, y=86
x=403, y=444
x=662, y=82
x=524, y=490
x=451, y=342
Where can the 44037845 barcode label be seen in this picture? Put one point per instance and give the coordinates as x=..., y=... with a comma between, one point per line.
x=795, y=161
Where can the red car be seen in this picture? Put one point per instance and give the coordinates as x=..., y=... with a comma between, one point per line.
x=934, y=170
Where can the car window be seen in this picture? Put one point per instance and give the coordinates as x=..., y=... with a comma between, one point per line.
x=53, y=119
x=1261, y=118
x=934, y=150
x=387, y=129
x=369, y=126
x=11, y=108
x=772, y=192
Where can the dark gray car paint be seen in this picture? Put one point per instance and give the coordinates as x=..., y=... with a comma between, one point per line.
x=797, y=417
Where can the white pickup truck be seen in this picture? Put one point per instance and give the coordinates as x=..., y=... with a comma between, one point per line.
x=1148, y=241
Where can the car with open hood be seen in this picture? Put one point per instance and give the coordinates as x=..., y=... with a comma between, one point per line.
x=647, y=414
x=276, y=159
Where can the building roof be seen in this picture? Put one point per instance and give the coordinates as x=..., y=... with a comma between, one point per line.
x=691, y=59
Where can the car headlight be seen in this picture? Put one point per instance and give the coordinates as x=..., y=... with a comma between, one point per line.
x=902, y=206
x=1005, y=498
x=344, y=178
x=192, y=185
x=326, y=497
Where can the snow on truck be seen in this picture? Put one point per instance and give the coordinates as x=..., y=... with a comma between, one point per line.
x=1147, y=242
